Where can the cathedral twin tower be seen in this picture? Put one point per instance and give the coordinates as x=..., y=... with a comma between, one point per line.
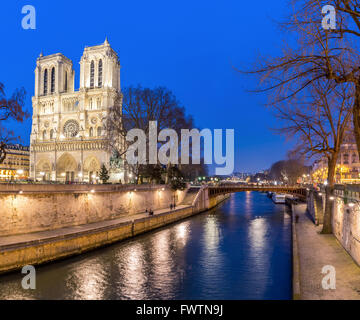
x=68, y=139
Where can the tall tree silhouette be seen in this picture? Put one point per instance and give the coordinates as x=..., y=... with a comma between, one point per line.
x=10, y=109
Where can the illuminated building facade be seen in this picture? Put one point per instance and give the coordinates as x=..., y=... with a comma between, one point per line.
x=347, y=167
x=16, y=164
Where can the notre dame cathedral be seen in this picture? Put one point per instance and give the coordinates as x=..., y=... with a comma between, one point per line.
x=68, y=139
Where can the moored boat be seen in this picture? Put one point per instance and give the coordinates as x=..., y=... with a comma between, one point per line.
x=278, y=197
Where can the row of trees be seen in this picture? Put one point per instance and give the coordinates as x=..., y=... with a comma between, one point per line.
x=314, y=84
x=288, y=171
x=285, y=171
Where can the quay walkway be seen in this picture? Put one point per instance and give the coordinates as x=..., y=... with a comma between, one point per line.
x=35, y=238
x=314, y=251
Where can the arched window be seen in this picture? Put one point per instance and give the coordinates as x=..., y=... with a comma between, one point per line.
x=53, y=80
x=100, y=74
x=92, y=74
x=44, y=135
x=91, y=132
x=51, y=134
x=99, y=129
x=66, y=80
x=45, y=81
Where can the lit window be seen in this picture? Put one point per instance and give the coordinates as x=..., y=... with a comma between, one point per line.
x=100, y=74
x=354, y=158
x=45, y=81
x=92, y=74
x=53, y=80
x=66, y=82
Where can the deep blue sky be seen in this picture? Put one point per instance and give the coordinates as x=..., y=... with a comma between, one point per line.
x=190, y=47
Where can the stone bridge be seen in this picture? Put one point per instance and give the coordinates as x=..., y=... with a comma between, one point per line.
x=294, y=190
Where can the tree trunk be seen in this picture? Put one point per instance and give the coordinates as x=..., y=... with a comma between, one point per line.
x=356, y=116
x=329, y=192
x=167, y=179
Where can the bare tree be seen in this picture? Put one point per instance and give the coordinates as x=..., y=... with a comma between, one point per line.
x=319, y=123
x=10, y=109
x=139, y=107
x=324, y=54
x=312, y=84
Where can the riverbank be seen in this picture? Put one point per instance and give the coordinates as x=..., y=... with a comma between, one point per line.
x=312, y=251
x=45, y=246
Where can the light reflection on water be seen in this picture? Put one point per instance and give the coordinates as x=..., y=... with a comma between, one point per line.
x=239, y=250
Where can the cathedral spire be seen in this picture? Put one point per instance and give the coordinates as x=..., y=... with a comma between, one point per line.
x=106, y=40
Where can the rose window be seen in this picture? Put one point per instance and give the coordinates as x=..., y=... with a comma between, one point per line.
x=71, y=128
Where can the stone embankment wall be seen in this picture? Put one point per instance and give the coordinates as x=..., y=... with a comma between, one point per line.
x=346, y=217
x=15, y=256
x=315, y=207
x=31, y=208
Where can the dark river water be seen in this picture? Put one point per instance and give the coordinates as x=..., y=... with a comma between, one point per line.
x=239, y=250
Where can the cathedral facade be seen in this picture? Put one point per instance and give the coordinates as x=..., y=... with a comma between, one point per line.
x=68, y=141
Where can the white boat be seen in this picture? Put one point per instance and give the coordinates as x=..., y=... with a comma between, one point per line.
x=278, y=197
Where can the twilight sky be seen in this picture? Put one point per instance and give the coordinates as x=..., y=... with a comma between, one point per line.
x=191, y=47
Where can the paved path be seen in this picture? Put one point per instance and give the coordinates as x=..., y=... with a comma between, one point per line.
x=9, y=242
x=317, y=250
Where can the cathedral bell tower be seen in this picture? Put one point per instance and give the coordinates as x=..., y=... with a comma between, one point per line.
x=54, y=74
x=100, y=68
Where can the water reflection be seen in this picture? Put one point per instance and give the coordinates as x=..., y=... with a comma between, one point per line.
x=131, y=268
x=239, y=250
x=259, y=252
x=87, y=281
x=182, y=233
x=257, y=237
x=162, y=256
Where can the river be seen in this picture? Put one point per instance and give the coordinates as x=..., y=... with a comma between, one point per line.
x=239, y=250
